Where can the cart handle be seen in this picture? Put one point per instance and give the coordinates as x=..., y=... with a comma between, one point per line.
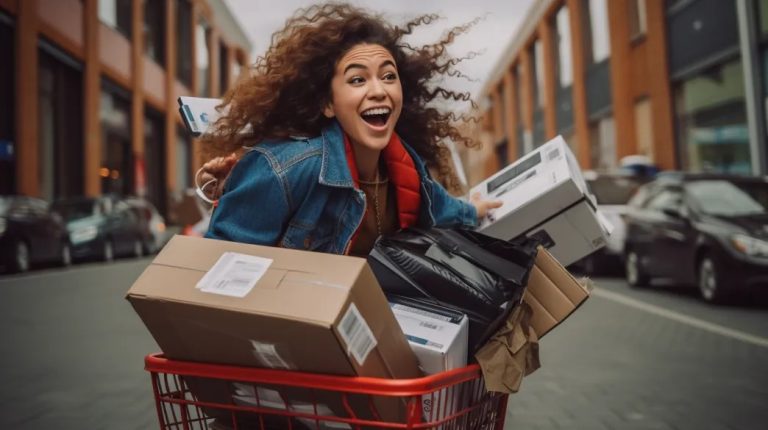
x=157, y=363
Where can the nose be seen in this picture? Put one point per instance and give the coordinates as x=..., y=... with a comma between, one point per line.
x=376, y=89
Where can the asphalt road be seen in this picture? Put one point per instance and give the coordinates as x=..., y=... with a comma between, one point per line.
x=72, y=358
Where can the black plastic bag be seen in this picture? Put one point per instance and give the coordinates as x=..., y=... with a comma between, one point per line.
x=475, y=274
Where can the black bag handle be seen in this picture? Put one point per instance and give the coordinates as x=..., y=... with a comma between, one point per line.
x=475, y=253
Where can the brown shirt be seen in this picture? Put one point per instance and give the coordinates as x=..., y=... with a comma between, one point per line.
x=368, y=232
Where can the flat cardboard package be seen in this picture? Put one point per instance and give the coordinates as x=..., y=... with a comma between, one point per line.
x=306, y=311
x=544, y=194
x=551, y=296
x=552, y=293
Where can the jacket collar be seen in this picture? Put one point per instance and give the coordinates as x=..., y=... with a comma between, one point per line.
x=334, y=170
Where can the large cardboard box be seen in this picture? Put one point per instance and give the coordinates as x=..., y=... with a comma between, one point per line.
x=552, y=293
x=544, y=194
x=230, y=303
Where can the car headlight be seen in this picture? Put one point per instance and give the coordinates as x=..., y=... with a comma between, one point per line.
x=83, y=234
x=3, y=225
x=750, y=245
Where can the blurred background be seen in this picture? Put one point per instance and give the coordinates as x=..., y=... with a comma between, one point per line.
x=663, y=102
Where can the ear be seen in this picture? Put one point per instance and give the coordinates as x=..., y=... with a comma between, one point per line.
x=328, y=111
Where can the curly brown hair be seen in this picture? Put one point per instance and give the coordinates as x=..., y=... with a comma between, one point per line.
x=286, y=90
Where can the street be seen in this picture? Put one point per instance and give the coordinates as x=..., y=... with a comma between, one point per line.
x=73, y=348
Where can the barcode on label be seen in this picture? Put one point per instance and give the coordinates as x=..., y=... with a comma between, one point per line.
x=555, y=153
x=356, y=334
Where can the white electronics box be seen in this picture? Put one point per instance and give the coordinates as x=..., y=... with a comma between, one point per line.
x=198, y=113
x=544, y=194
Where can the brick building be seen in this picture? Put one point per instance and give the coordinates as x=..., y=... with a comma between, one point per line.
x=681, y=81
x=89, y=87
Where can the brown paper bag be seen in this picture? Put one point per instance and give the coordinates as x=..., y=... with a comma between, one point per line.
x=513, y=352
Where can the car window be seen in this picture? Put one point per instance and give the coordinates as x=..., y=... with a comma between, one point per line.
x=727, y=198
x=72, y=210
x=613, y=190
x=5, y=204
x=666, y=198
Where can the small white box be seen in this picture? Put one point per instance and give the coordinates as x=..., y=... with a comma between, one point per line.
x=544, y=194
x=198, y=113
x=439, y=341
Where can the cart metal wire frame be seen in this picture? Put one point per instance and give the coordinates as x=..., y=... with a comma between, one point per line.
x=266, y=399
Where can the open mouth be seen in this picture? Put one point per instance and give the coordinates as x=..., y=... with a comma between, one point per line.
x=376, y=117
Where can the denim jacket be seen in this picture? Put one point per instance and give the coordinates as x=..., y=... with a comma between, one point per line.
x=300, y=194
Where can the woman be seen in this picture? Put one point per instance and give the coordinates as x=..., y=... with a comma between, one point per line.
x=339, y=137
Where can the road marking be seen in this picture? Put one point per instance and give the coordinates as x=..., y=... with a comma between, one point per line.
x=685, y=319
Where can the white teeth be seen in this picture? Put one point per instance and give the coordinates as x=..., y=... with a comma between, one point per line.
x=377, y=111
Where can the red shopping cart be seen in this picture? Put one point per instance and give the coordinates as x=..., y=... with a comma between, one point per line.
x=207, y=396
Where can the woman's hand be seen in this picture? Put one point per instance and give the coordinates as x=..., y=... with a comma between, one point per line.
x=211, y=176
x=483, y=206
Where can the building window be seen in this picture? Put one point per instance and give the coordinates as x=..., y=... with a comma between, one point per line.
x=638, y=19
x=155, y=159
x=564, y=50
x=762, y=7
x=502, y=153
x=183, y=160
x=502, y=110
x=598, y=40
x=116, y=14
x=712, y=120
x=116, y=169
x=184, y=42
x=8, y=112
x=223, y=68
x=537, y=57
x=154, y=30
x=644, y=127
x=523, y=140
x=203, y=57
x=60, y=124
x=602, y=135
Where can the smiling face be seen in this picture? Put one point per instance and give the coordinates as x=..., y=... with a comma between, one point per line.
x=366, y=96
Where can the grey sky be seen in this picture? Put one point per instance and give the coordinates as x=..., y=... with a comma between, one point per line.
x=260, y=18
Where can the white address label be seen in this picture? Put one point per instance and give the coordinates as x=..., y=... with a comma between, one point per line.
x=234, y=274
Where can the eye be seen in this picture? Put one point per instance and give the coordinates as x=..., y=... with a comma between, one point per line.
x=390, y=76
x=355, y=80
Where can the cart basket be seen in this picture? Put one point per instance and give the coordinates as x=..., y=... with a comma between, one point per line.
x=191, y=395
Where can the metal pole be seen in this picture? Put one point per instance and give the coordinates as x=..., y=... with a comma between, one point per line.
x=753, y=85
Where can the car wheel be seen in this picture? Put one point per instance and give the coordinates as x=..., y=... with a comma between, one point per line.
x=108, y=253
x=710, y=287
x=66, y=255
x=20, y=261
x=138, y=248
x=634, y=271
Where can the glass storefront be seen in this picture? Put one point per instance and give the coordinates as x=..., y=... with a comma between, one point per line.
x=8, y=112
x=183, y=160
x=712, y=120
x=116, y=169
x=155, y=159
x=60, y=124
x=203, y=57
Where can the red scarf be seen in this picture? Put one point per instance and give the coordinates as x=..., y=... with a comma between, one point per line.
x=402, y=173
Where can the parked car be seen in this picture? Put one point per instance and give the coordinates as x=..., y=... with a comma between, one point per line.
x=151, y=224
x=612, y=192
x=30, y=234
x=101, y=227
x=706, y=230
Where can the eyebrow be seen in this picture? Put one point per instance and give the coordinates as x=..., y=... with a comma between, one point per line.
x=360, y=66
